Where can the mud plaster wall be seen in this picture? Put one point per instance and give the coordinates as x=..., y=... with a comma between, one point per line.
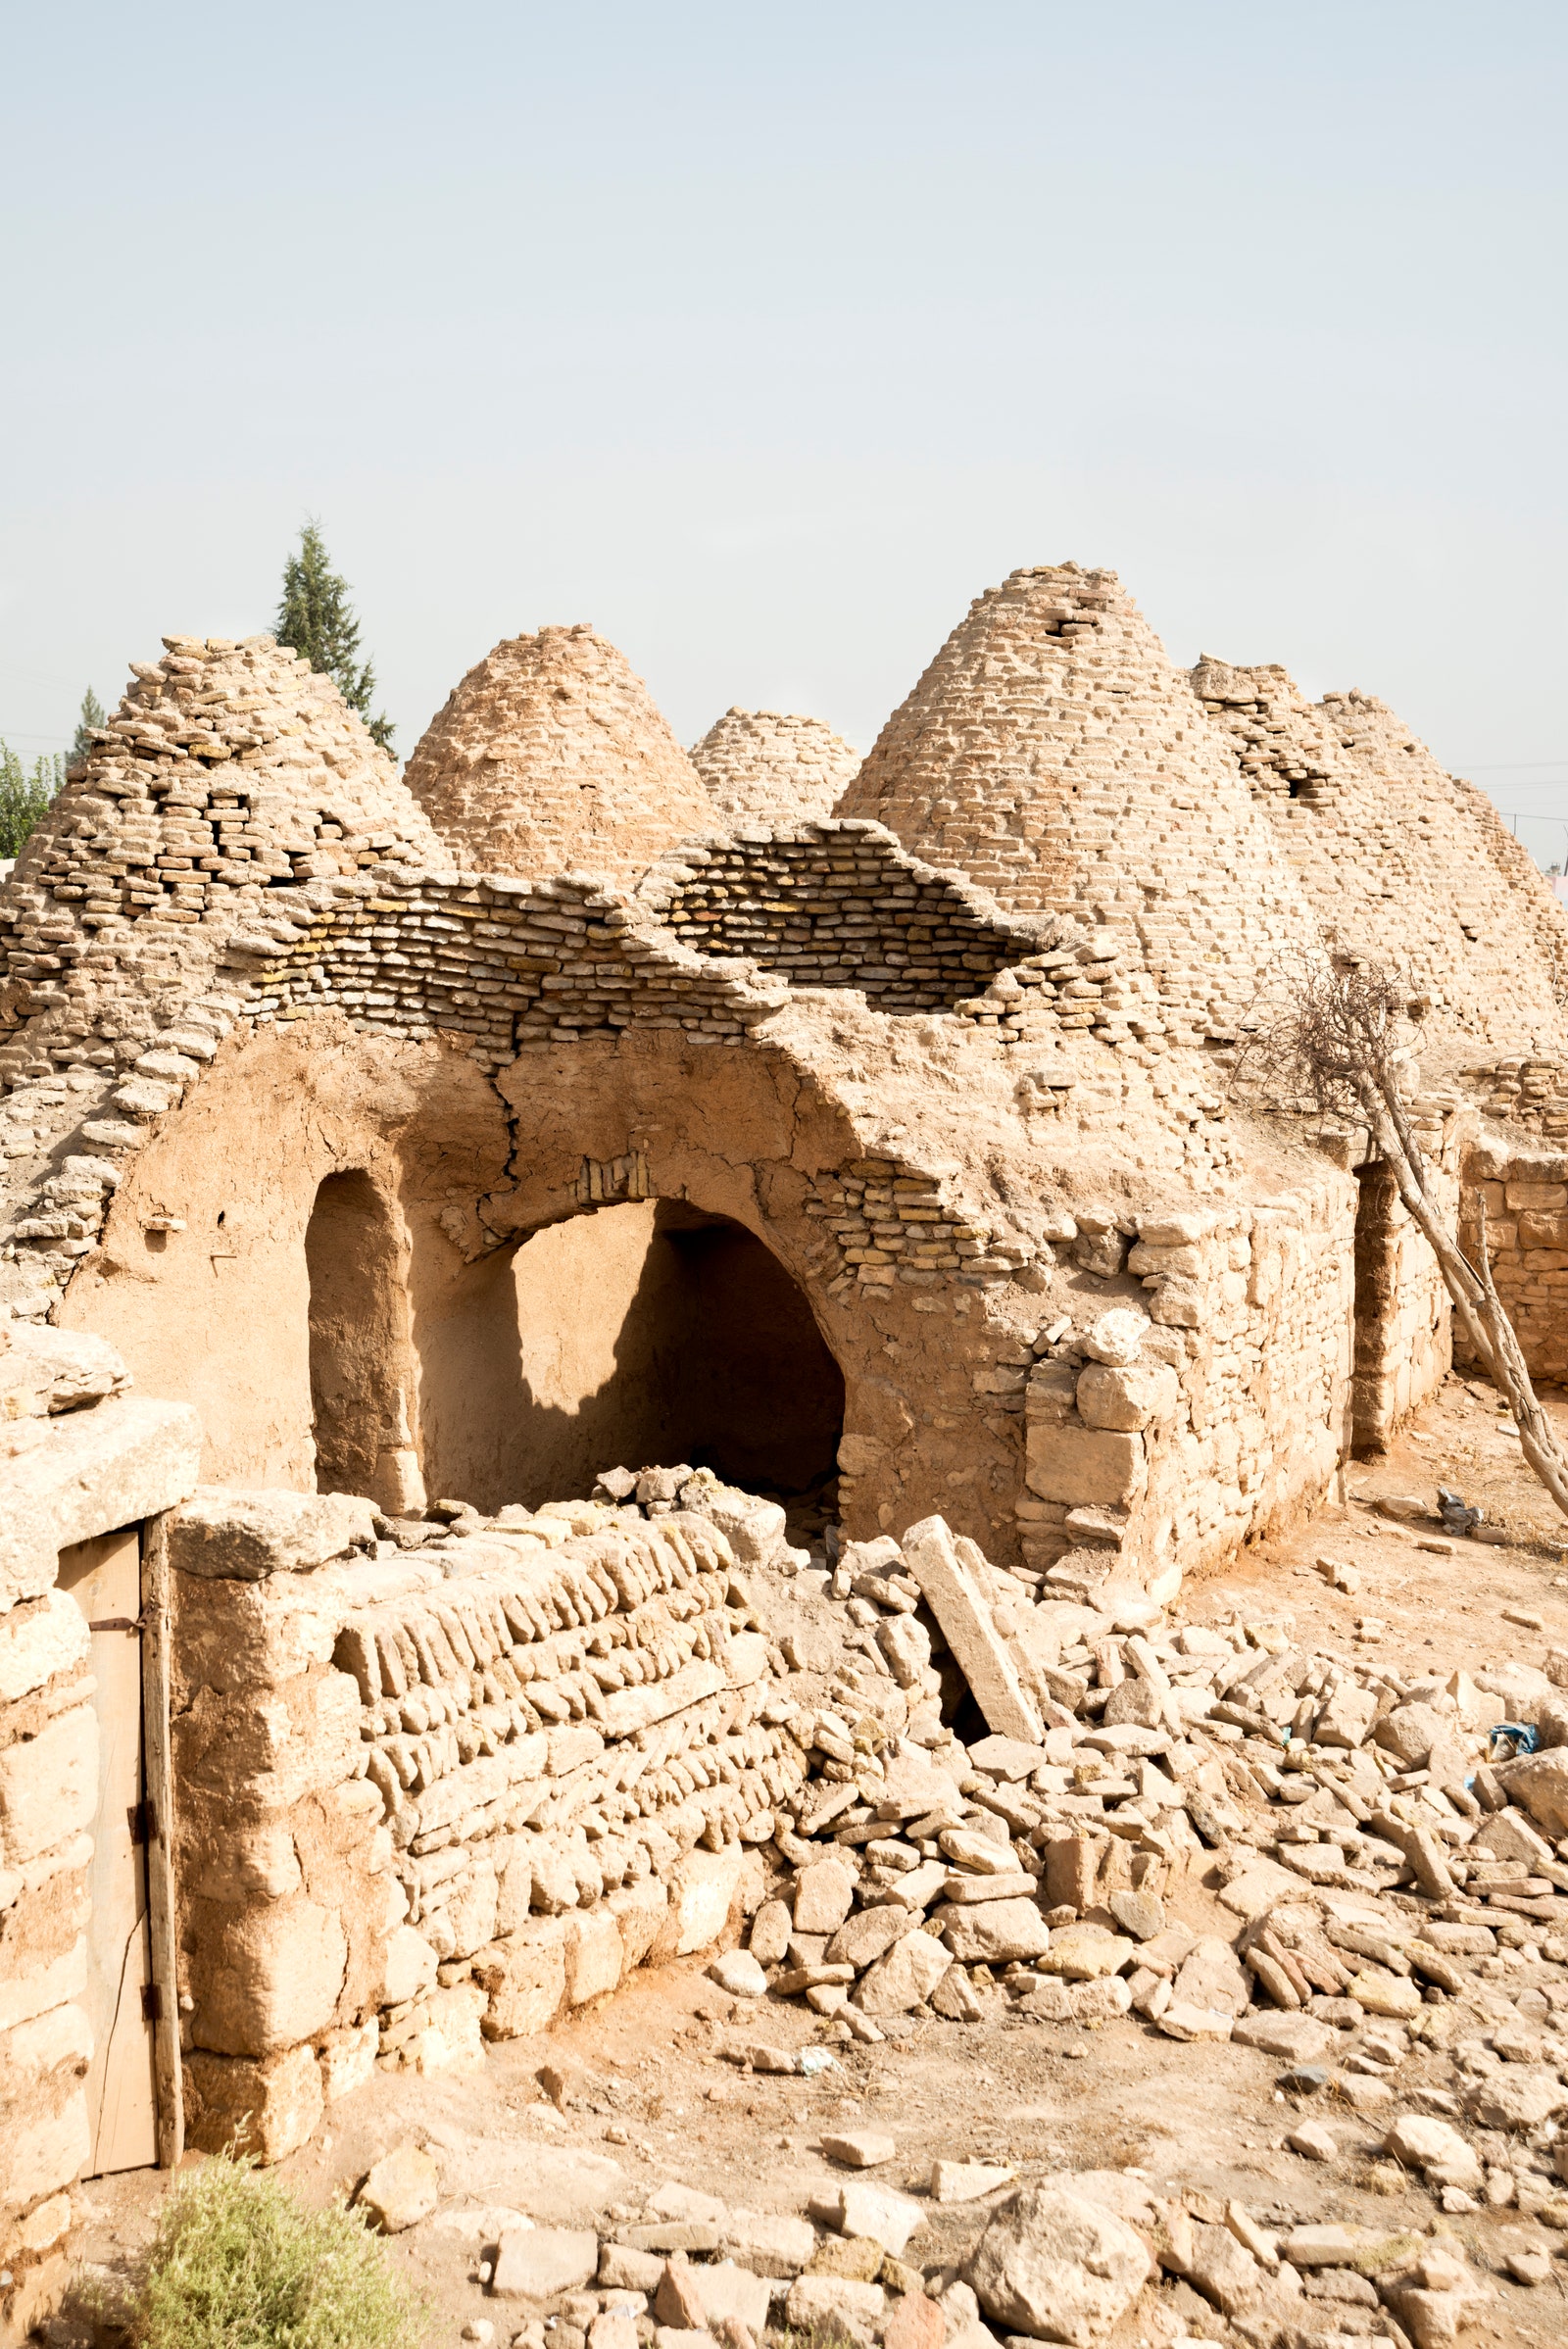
x=932, y=1336
x=362, y=1366
x=532, y=1759
x=217, y=1312
x=203, y=1279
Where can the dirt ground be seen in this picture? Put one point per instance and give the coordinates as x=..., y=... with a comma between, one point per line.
x=657, y=2101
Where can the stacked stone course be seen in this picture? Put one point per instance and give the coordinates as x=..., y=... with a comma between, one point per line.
x=1399, y=861
x=454, y=1784
x=839, y=905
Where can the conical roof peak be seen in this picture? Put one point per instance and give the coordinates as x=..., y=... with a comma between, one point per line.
x=552, y=757
x=773, y=765
x=1054, y=751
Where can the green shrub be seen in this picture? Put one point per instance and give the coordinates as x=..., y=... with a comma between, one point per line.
x=238, y=2264
x=25, y=797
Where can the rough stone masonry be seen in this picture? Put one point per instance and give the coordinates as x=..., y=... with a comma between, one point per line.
x=411, y=1120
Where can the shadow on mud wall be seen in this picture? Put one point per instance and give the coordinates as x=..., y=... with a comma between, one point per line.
x=642, y=1333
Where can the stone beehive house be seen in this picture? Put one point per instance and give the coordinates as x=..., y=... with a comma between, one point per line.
x=387, y=1158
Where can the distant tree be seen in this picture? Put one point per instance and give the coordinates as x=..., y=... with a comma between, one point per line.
x=316, y=620
x=93, y=716
x=25, y=797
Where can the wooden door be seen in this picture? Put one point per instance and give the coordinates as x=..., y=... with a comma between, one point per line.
x=103, y=1578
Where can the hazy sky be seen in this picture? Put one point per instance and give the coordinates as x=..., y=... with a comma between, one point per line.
x=764, y=337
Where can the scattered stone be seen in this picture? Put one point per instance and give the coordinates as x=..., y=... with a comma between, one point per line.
x=905, y=1976
x=917, y=2323
x=538, y=2263
x=1058, y=2265
x=880, y=2215
x=1223, y=2270
x=740, y=1973
x=769, y=2242
x=823, y=1893
x=967, y=2182
x=1313, y=2142
x=860, y=2149
x=403, y=2187
x=1140, y=1914
x=1431, y=2145
x=836, y=2304
x=856, y=2257
x=1298, y=2038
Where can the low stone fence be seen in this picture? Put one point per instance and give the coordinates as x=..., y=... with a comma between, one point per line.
x=434, y=1792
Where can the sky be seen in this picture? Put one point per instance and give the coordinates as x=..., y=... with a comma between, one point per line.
x=767, y=337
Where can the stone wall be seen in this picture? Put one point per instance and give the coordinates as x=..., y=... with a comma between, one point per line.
x=839, y=905
x=1524, y=1191
x=1199, y=1398
x=450, y=1783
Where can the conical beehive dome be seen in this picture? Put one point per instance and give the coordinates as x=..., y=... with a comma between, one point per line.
x=1054, y=754
x=766, y=766
x=551, y=757
x=229, y=771
x=1399, y=861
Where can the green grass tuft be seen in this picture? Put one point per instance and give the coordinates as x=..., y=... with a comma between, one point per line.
x=238, y=2264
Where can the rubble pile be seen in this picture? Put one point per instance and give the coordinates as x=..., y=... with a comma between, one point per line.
x=1360, y=1874
x=1061, y=2261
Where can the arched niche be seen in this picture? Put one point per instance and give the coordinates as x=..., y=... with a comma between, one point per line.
x=361, y=1361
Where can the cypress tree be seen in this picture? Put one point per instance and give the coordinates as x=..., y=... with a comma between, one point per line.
x=93, y=714
x=316, y=618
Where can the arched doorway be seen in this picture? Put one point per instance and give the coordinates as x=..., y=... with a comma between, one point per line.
x=645, y=1333
x=361, y=1360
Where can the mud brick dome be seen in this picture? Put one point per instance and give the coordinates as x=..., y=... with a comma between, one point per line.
x=551, y=758
x=761, y=766
x=1054, y=751
x=588, y=1293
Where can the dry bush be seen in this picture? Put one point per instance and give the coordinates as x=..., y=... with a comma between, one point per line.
x=238, y=2264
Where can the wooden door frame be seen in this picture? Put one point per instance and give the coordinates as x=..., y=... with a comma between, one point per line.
x=159, y=1795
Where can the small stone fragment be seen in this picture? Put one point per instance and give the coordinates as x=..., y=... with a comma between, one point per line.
x=539, y=2263
x=860, y=2149
x=967, y=2182
x=403, y=2187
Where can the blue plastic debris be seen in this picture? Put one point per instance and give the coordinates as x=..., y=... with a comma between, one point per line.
x=1526, y=1738
x=814, y=2060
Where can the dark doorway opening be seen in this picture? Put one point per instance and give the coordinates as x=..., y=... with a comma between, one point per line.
x=1372, y=1370
x=644, y=1334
